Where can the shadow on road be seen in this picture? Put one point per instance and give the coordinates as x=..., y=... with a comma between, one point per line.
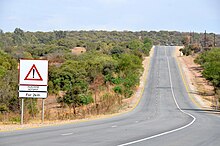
x=202, y=93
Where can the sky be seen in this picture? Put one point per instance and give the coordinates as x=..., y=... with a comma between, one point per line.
x=120, y=15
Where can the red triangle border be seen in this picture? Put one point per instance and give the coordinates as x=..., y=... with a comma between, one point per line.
x=33, y=67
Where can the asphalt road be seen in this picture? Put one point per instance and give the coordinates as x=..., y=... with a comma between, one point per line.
x=165, y=116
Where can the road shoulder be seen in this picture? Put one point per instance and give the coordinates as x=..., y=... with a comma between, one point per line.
x=199, y=89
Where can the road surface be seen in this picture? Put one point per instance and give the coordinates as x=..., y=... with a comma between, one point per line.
x=165, y=116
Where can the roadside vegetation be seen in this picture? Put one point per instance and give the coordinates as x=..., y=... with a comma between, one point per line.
x=210, y=62
x=90, y=72
x=207, y=54
x=83, y=83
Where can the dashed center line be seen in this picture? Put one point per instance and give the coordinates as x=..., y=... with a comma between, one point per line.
x=177, y=105
x=65, y=134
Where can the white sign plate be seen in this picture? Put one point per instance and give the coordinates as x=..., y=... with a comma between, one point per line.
x=33, y=94
x=33, y=88
x=33, y=72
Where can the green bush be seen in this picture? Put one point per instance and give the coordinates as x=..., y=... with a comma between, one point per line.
x=128, y=93
x=85, y=99
x=3, y=108
x=117, y=89
x=15, y=119
x=210, y=62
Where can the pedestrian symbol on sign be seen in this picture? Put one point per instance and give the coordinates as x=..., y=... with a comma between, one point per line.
x=33, y=74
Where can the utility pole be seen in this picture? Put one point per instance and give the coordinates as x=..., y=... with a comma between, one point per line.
x=193, y=39
x=214, y=41
x=205, y=39
x=204, y=42
x=190, y=38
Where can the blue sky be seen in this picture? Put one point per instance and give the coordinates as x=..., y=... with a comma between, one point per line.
x=133, y=15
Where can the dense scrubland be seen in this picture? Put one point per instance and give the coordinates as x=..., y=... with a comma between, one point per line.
x=95, y=81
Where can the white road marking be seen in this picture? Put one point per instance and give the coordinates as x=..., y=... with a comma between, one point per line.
x=114, y=126
x=136, y=121
x=65, y=134
x=171, y=131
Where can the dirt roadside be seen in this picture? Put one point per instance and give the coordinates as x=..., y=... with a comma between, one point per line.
x=200, y=90
x=130, y=104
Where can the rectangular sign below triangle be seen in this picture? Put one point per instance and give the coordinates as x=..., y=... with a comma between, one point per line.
x=32, y=94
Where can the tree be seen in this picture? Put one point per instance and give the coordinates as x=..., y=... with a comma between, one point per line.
x=60, y=34
x=18, y=36
x=135, y=45
x=1, y=32
x=185, y=40
x=74, y=97
x=95, y=85
x=118, y=90
x=116, y=50
x=128, y=72
x=147, y=46
x=8, y=83
x=19, y=32
x=209, y=60
x=71, y=100
x=212, y=72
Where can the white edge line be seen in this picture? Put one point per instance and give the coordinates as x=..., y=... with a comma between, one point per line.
x=171, y=131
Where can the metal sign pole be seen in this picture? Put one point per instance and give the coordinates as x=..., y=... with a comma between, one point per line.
x=22, y=111
x=42, y=118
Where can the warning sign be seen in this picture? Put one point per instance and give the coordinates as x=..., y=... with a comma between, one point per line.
x=33, y=72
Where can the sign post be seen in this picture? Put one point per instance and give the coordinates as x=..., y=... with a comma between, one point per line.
x=33, y=82
x=42, y=114
x=22, y=111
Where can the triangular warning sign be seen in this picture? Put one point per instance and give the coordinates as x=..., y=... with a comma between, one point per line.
x=33, y=74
